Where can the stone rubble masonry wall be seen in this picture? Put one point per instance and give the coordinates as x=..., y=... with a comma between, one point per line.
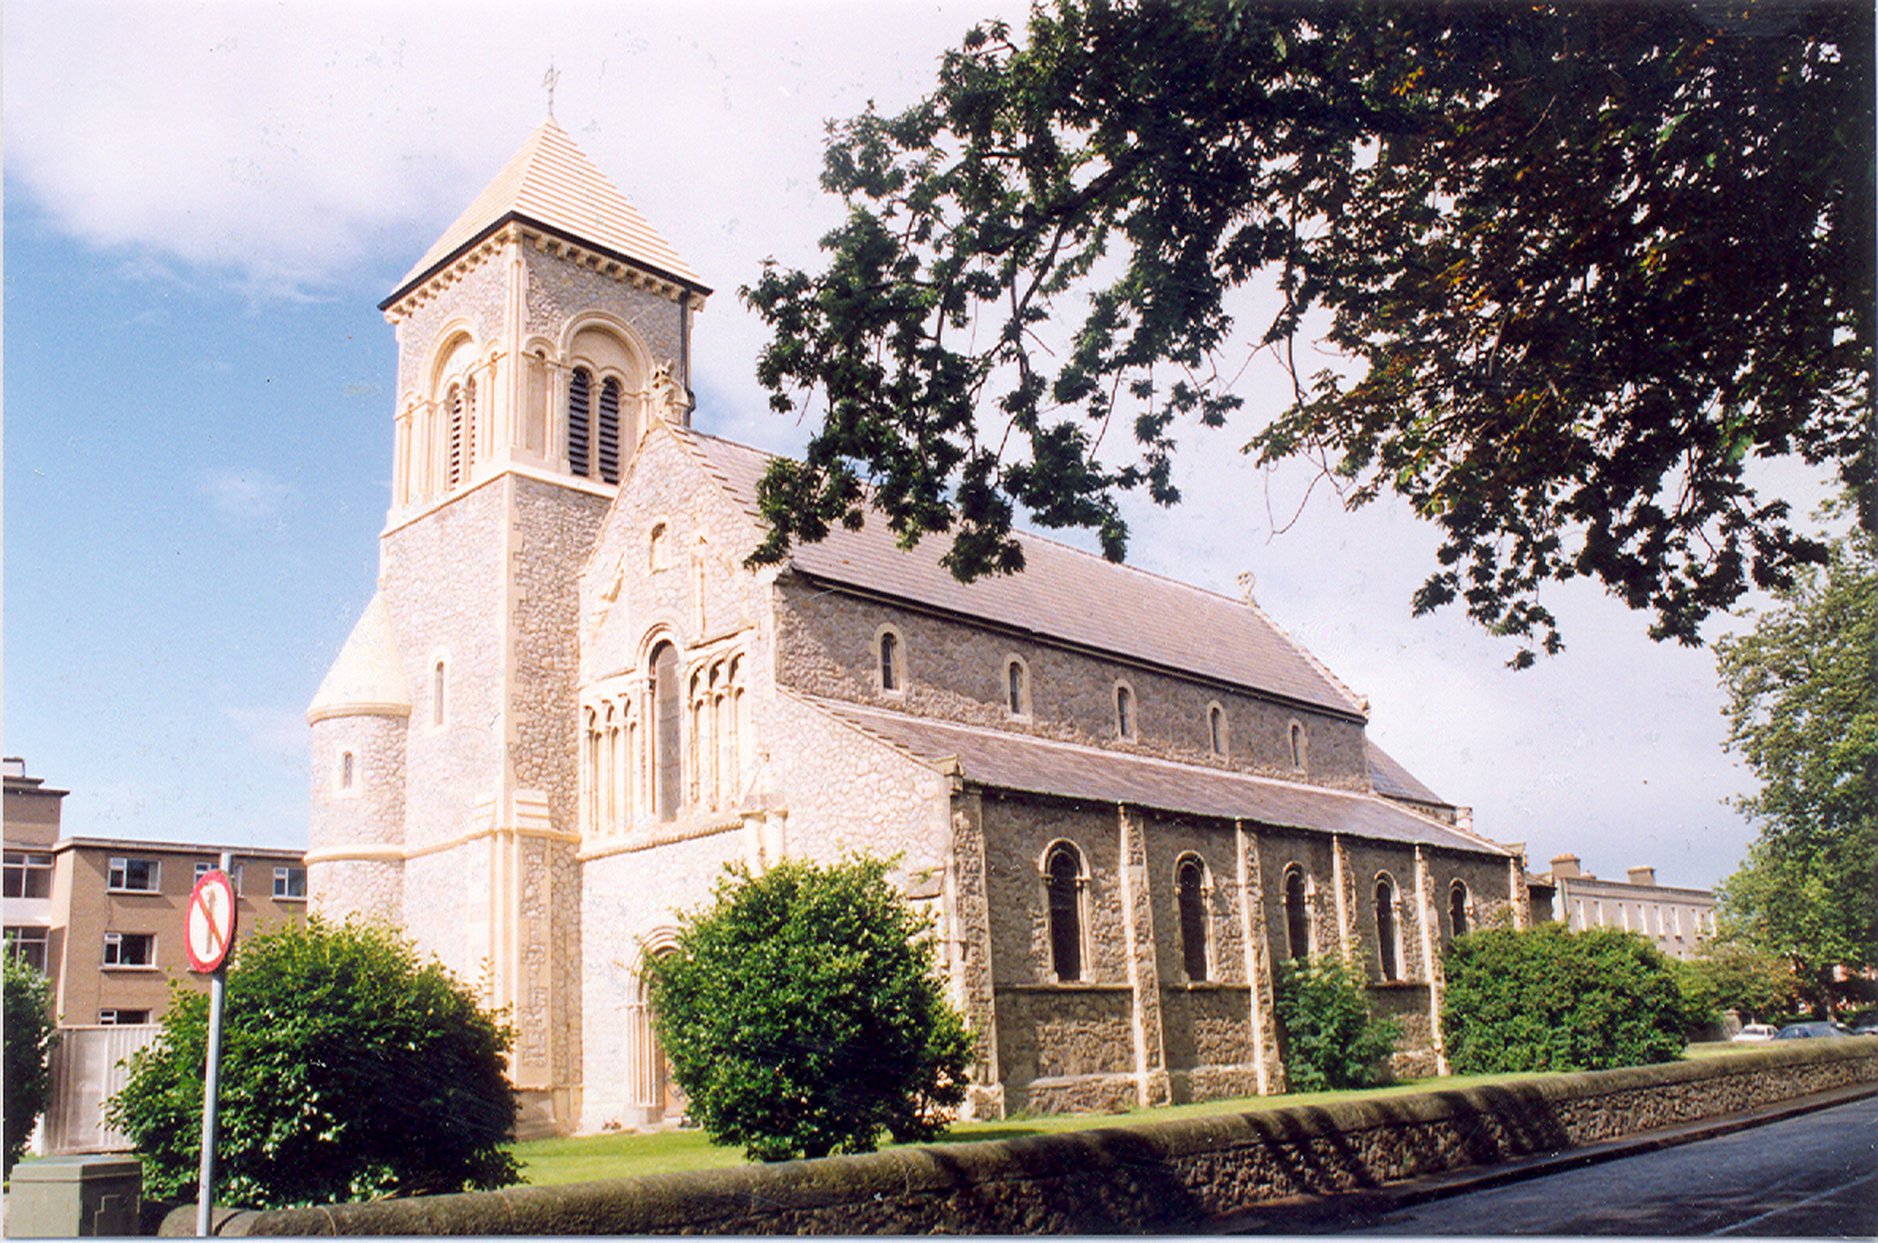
x=371, y=814
x=559, y=290
x=956, y=671
x=1172, y=1176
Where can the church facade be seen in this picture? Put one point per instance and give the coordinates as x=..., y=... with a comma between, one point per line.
x=569, y=705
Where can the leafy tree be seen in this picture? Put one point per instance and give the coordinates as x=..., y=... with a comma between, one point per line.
x=1587, y=262
x=1329, y=1038
x=1549, y=999
x=350, y=1070
x=30, y=1034
x=1802, y=709
x=803, y=1014
x=1726, y=975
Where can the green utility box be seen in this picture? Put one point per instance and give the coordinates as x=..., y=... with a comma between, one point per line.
x=73, y=1197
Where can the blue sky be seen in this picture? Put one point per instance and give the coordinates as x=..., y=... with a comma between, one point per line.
x=203, y=207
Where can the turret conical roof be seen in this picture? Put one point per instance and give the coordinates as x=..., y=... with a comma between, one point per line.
x=367, y=679
x=551, y=182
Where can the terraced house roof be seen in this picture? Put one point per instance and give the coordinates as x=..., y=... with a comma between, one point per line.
x=1063, y=593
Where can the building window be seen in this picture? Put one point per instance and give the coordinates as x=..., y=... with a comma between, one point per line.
x=1457, y=909
x=1016, y=687
x=892, y=662
x=1216, y=728
x=1300, y=746
x=1190, y=896
x=129, y=949
x=1297, y=916
x=1063, y=876
x=436, y=693
x=28, y=945
x=348, y=770
x=1385, y=929
x=28, y=875
x=290, y=882
x=667, y=762
x=1124, y=711
x=135, y=875
x=579, y=395
x=234, y=876
x=119, y=1018
x=609, y=431
x=658, y=548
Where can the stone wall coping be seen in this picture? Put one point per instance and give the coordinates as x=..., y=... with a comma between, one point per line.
x=1020, y=1184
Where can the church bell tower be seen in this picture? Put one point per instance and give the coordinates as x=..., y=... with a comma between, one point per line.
x=540, y=337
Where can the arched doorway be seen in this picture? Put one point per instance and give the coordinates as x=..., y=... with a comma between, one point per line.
x=657, y=1100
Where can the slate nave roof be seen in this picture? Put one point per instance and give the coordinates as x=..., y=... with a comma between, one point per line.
x=1063, y=593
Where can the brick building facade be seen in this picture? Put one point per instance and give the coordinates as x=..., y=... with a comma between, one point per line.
x=569, y=705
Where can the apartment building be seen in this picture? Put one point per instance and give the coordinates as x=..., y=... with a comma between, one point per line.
x=103, y=917
x=1678, y=919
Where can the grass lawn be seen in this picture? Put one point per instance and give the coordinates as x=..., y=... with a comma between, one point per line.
x=548, y=1161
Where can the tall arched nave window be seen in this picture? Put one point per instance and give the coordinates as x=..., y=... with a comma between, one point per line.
x=647, y=754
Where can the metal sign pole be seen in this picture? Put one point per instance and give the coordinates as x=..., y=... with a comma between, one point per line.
x=211, y=1082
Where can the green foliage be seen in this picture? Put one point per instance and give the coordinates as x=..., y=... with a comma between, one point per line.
x=803, y=1014
x=1522, y=223
x=350, y=1070
x=1730, y=976
x=31, y=1031
x=1802, y=709
x=1549, y=999
x=1329, y=1038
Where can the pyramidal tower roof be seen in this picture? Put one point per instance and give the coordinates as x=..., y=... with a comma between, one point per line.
x=550, y=182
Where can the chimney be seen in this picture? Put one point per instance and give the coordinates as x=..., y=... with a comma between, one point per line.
x=1564, y=867
x=1643, y=876
x=15, y=766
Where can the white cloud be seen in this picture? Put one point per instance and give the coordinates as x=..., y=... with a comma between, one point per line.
x=273, y=732
x=243, y=496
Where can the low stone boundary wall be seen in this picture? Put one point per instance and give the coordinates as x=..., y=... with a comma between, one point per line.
x=1164, y=1176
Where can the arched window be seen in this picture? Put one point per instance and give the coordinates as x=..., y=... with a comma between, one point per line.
x=1385, y=929
x=1124, y=712
x=1016, y=687
x=1297, y=916
x=579, y=398
x=1190, y=896
x=666, y=730
x=453, y=468
x=1297, y=745
x=348, y=770
x=1457, y=909
x=659, y=548
x=609, y=431
x=1216, y=728
x=1063, y=875
x=892, y=672
x=436, y=694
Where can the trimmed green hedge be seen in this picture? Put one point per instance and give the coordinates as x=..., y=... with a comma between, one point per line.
x=1549, y=999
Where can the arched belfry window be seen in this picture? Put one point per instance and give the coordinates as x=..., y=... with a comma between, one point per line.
x=667, y=729
x=1385, y=929
x=609, y=431
x=1457, y=909
x=1062, y=870
x=1297, y=916
x=1190, y=896
x=579, y=420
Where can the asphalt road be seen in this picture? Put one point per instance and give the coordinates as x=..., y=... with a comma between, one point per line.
x=1814, y=1175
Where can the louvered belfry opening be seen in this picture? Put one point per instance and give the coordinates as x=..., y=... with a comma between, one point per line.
x=609, y=431
x=453, y=473
x=579, y=397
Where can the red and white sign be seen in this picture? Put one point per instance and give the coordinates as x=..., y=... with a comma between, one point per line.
x=209, y=927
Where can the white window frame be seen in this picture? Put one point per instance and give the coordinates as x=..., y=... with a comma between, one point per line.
x=23, y=937
x=114, y=951
x=118, y=878
x=202, y=869
x=110, y=1016
x=283, y=878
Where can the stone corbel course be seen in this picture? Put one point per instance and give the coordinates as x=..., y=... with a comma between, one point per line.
x=1167, y=1176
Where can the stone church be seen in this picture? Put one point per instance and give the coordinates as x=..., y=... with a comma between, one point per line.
x=568, y=705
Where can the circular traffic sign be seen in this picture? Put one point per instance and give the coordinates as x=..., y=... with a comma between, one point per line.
x=209, y=926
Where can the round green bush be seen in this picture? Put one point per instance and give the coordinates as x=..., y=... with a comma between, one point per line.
x=804, y=1015
x=351, y=1070
x=30, y=1035
x=1326, y=1032
x=1549, y=999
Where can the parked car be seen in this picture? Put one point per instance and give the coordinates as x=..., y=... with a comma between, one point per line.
x=1814, y=1030
x=1756, y=1033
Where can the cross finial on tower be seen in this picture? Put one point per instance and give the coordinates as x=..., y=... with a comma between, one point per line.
x=551, y=79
